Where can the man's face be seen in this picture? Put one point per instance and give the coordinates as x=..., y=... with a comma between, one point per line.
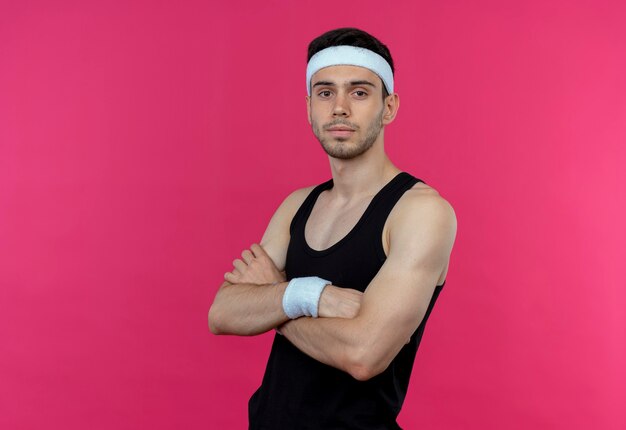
x=346, y=110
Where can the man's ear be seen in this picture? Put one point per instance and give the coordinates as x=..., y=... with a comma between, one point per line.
x=392, y=104
x=308, y=108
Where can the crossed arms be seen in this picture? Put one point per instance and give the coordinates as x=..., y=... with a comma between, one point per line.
x=359, y=333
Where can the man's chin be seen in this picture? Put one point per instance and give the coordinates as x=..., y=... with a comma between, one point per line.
x=342, y=155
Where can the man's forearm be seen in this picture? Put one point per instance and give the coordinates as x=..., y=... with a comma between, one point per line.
x=337, y=342
x=247, y=309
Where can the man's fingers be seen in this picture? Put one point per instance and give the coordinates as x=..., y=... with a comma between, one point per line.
x=257, y=250
x=228, y=276
x=247, y=256
x=239, y=265
x=234, y=276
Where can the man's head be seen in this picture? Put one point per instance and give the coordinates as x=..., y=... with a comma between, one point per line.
x=350, y=82
x=349, y=36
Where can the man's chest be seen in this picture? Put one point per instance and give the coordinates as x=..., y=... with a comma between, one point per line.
x=329, y=224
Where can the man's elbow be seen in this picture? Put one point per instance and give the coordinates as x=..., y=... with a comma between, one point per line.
x=214, y=325
x=361, y=366
x=216, y=315
x=362, y=373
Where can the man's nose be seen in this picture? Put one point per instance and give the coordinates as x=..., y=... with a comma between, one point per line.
x=341, y=107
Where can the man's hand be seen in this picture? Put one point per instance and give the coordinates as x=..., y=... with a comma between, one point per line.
x=256, y=268
x=336, y=302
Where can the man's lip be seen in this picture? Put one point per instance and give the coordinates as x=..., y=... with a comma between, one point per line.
x=340, y=129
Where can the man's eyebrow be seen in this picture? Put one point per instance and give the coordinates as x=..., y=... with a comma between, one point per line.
x=349, y=84
x=323, y=83
x=362, y=82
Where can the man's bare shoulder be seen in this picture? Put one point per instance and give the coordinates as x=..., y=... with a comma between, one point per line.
x=295, y=199
x=423, y=204
x=422, y=196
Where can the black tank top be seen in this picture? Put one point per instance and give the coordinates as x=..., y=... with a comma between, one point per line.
x=299, y=392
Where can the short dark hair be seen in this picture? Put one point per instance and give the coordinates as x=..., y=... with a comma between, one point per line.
x=353, y=37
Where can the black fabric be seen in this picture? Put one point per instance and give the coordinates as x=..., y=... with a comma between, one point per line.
x=299, y=392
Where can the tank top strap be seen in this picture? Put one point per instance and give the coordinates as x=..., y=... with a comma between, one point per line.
x=385, y=204
x=307, y=206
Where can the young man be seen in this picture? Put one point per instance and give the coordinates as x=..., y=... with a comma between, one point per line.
x=348, y=271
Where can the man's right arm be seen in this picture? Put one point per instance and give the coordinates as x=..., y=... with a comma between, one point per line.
x=252, y=308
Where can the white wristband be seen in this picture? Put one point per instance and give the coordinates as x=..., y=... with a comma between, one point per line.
x=302, y=296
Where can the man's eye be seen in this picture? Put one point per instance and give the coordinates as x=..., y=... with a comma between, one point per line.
x=325, y=93
x=360, y=93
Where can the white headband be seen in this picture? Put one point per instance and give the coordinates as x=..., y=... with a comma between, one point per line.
x=346, y=55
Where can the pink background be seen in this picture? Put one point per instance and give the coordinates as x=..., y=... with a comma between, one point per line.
x=143, y=145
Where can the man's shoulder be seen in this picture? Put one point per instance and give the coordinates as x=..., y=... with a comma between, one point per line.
x=295, y=199
x=301, y=193
x=423, y=194
x=421, y=222
x=422, y=203
x=292, y=202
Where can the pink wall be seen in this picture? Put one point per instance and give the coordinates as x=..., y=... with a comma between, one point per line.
x=143, y=145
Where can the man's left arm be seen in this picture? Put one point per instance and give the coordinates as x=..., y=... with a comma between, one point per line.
x=393, y=305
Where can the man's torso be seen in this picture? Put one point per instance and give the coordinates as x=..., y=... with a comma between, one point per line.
x=347, y=246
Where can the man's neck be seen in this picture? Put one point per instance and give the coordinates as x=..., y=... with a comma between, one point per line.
x=362, y=176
